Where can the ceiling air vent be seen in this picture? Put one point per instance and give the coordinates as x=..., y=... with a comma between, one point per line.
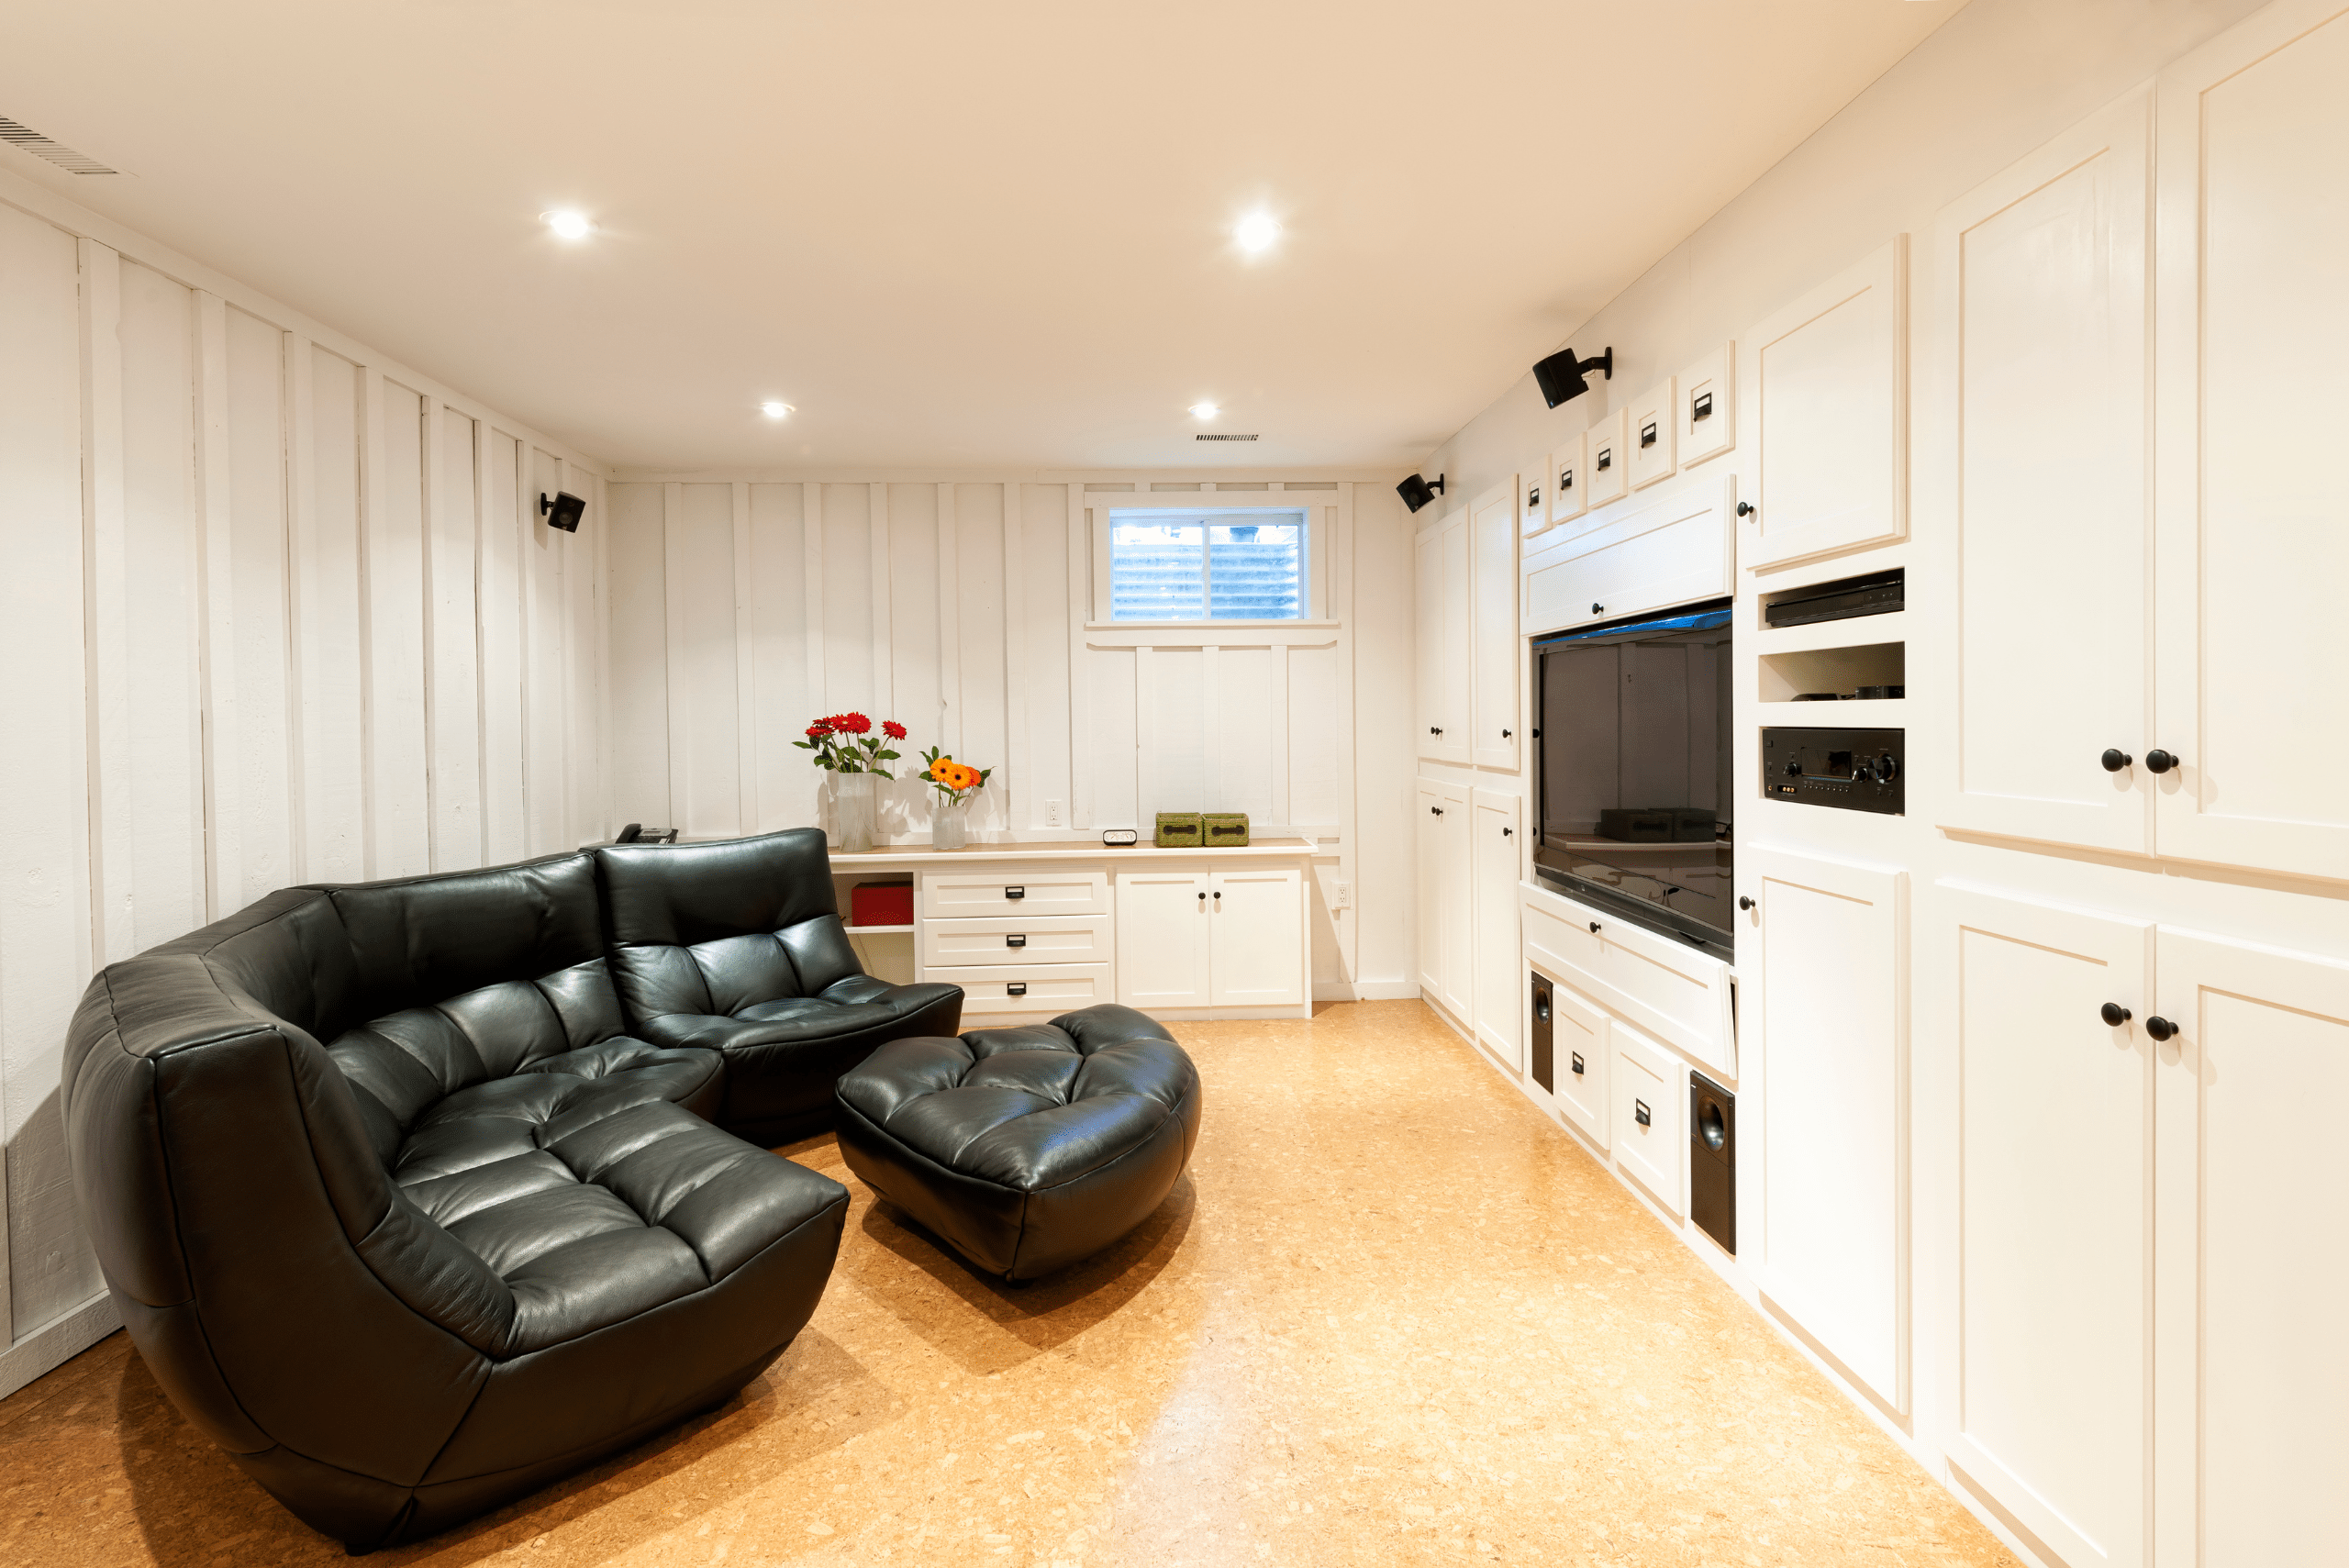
x=57, y=152
x=1202, y=435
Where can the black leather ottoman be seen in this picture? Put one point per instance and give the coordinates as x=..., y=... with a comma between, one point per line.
x=1026, y=1148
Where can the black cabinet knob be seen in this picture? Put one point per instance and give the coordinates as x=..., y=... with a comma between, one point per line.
x=1597, y=609
x=1203, y=897
x=1505, y=734
x=1746, y=509
x=1744, y=903
x=2114, y=1014
x=1433, y=810
x=1219, y=895
x=1435, y=730
x=2160, y=1027
x=2115, y=759
x=1508, y=832
x=1594, y=925
x=2160, y=762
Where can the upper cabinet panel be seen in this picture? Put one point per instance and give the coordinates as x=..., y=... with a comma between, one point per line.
x=1654, y=435
x=2252, y=520
x=1706, y=420
x=2037, y=455
x=1610, y=463
x=1568, y=492
x=1826, y=384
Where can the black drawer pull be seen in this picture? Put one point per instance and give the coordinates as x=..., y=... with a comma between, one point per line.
x=1701, y=407
x=1019, y=941
x=1015, y=893
x=1640, y=1113
x=1647, y=433
x=1016, y=988
x=1577, y=1056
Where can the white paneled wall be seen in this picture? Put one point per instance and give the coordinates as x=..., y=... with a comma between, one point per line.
x=275, y=610
x=742, y=607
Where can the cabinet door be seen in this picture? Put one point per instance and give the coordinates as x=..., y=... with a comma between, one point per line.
x=1674, y=551
x=1427, y=657
x=1654, y=433
x=1707, y=411
x=1565, y=482
x=1456, y=904
x=1827, y=395
x=2252, y=526
x=1580, y=1049
x=2252, y=1370
x=1493, y=525
x=1606, y=459
x=2054, y=1153
x=2042, y=422
x=1449, y=743
x=1428, y=814
x=1500, y=951
x=1651, y=1112
x=1257, y=920
x=1162, y=936
x=1832, y=1082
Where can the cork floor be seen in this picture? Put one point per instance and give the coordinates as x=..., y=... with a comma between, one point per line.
x=1391, y=1316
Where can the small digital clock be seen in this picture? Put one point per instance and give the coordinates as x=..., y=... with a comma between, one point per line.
x=1119, y=838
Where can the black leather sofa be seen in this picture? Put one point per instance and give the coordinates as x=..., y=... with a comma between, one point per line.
x=409, y=1191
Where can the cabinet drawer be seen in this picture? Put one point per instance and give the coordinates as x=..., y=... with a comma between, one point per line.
x=1650, y=1104
x=1672, y=552
x=1022, y=939
x=1580, y=1054
x=1048, y=989
x=1017, y=891
x=1672, y=991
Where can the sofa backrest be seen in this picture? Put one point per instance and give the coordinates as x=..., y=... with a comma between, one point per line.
x=711, y=929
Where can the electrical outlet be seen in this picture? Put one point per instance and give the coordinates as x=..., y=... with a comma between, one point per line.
x=1052, y=814
x=1342, y=896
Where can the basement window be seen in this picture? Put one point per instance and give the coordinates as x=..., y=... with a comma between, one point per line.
x=1226, y=564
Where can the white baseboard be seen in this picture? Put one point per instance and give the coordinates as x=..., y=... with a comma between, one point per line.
x=1365, y=990
x=56, y=1342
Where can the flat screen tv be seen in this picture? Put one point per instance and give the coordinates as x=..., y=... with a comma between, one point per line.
x=1633, y=770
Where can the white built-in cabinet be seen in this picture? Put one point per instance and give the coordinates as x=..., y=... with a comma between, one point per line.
x=1494, y=820
x=1210, y=938
x=1496, y=652
x=2148, y=1322
x=1674, y=549
x=2151, y=531
x=1579, y=1050
x=1826, y=381
x=1447, y=908
x=2041, y=424
x=1649, y=1091
x=1443, y=561
x=1823, y=958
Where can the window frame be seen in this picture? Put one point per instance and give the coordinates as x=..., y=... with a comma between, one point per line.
x=1209, y=509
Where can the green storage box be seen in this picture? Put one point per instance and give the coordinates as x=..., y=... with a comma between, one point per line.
x=1226, y=829
x=1181, y=830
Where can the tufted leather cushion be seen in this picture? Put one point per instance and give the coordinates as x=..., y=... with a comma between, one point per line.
x=737, y=947
x=1030, y=1148
x=400, y=1215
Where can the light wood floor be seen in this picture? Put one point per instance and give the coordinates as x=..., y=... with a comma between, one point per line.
x=1389, y=1316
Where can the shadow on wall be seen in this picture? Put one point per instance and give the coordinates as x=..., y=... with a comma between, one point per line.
x=51, y=1269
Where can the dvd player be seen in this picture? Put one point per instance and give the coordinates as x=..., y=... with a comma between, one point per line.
x=1877, y=595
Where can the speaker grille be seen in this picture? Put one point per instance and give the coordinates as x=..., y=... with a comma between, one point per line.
x=1203, y=437
x=57, y=152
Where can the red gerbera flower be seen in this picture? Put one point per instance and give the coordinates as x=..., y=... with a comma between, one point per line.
x=819, y=729
x=853, y=723
x=893, y=730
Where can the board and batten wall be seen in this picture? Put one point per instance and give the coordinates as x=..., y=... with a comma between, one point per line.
x=275, y=610
x=745, y=606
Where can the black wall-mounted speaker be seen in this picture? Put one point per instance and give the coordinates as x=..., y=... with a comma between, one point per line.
x=1417, y=492
x=563, y=510
x=1562, y=376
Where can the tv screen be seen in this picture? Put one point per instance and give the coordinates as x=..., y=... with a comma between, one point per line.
x=1634, y=771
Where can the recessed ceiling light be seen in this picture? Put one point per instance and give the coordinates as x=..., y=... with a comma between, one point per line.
x=1257, y=232
x=1203, y=411
x=775, y=410
x=569, y=223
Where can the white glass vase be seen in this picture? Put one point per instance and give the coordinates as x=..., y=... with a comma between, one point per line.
x=851, y=829
x=949, y=822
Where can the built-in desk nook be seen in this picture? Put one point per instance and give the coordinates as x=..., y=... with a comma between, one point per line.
x=1030, y=931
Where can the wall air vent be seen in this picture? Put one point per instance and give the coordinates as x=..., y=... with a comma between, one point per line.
x=57, y=152
x=1205, y=436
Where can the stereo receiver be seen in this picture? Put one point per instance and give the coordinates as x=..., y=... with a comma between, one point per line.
x=1853, y=770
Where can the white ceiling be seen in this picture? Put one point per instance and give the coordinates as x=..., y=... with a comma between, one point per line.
x=954, y=235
